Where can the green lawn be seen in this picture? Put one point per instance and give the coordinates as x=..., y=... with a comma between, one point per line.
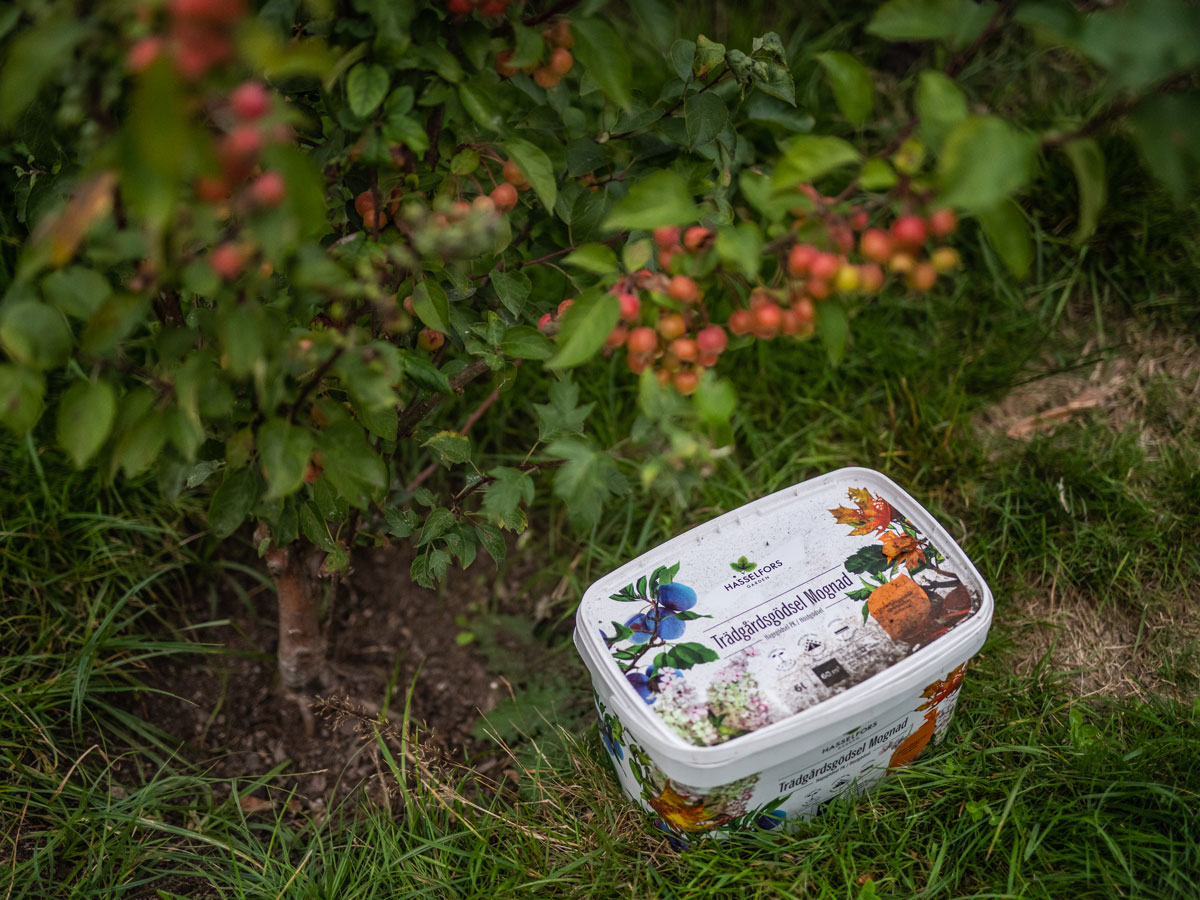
x=1071, y=769
x=1058, y=779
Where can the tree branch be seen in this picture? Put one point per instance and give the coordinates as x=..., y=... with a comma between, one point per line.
x=467, y=425
x=412, y=414
x=560, y=7
x=321, y=372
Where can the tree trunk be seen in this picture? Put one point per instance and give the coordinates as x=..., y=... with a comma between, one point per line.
x=301, y=654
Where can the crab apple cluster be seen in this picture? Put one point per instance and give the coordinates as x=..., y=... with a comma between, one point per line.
x=200, y=36
x=859, y=256
x=375, y=218
x=506, y=193
x=238, y=151
x=485, y=7
x=669, y=332
x=548, y=323
x=550, y=69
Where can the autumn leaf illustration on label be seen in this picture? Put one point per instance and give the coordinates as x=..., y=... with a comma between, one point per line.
x=909, y=611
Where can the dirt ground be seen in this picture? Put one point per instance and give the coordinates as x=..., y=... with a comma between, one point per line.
x=1148, y=381
x=387, y=637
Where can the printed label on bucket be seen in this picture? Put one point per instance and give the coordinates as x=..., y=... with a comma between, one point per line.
x=795, y=789
x=810, y=603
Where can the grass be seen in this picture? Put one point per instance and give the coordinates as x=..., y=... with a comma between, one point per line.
x=1037, y=792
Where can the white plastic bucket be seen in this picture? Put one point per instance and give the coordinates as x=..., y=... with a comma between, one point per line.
x=799, y=647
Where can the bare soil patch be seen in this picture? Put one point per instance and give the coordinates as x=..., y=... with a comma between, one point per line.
x=391, y=643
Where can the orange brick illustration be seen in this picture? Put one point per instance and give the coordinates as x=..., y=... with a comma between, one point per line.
x=901, y=607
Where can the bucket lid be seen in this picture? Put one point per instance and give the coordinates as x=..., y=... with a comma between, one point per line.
x=816, y=596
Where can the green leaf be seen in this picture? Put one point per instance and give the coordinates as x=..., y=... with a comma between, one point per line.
x=940, y=105
x=757, y=190
x=32, y=58
x=1166, y=129
x=283, y=450
x=914, y=20
x=116, y=318
x=35, y=334
x=242, y=338
x=661, y=198
x=776, y=81
x=232, y=501
x=404, y=129
x=636, y=254
x=366, y=86
x=708, y=56
x=808, y=157
x=502, y=500
x=437, y=523
x=877, y=175
x=352, y=465
x=139, y=445
x=536, y=167
x=682, y=53
x=1142, y=43
x=491, y=540
x=480, y=105
x=688, y=654
x=450, y=446
x=588, y=478
x=85, y=419
x=21, y=396
x=563, y=415
x=432, y=306
x=851, y=83
x=1008, y=232
x=605, y=58
x=422, y=371
x=983, y=160
x=526, y=342
x=834, y=325
x=401, y=522
x=76, y=291
x=1087, y=159
x=512, y=288
x=741, y=245
x=584, y=155
x=528, y=47
x=716, y=401
x=598, y=258
x=315, y=528
x=705, y=115
x=583, y=329
x=464, y=162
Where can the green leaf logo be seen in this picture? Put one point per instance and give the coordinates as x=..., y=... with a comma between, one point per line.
x=743, y=565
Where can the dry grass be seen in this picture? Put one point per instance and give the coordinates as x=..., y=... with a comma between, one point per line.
x=1105, y=649
x=1150, y=382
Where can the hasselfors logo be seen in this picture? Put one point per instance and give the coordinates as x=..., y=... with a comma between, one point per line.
x=751, y=572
